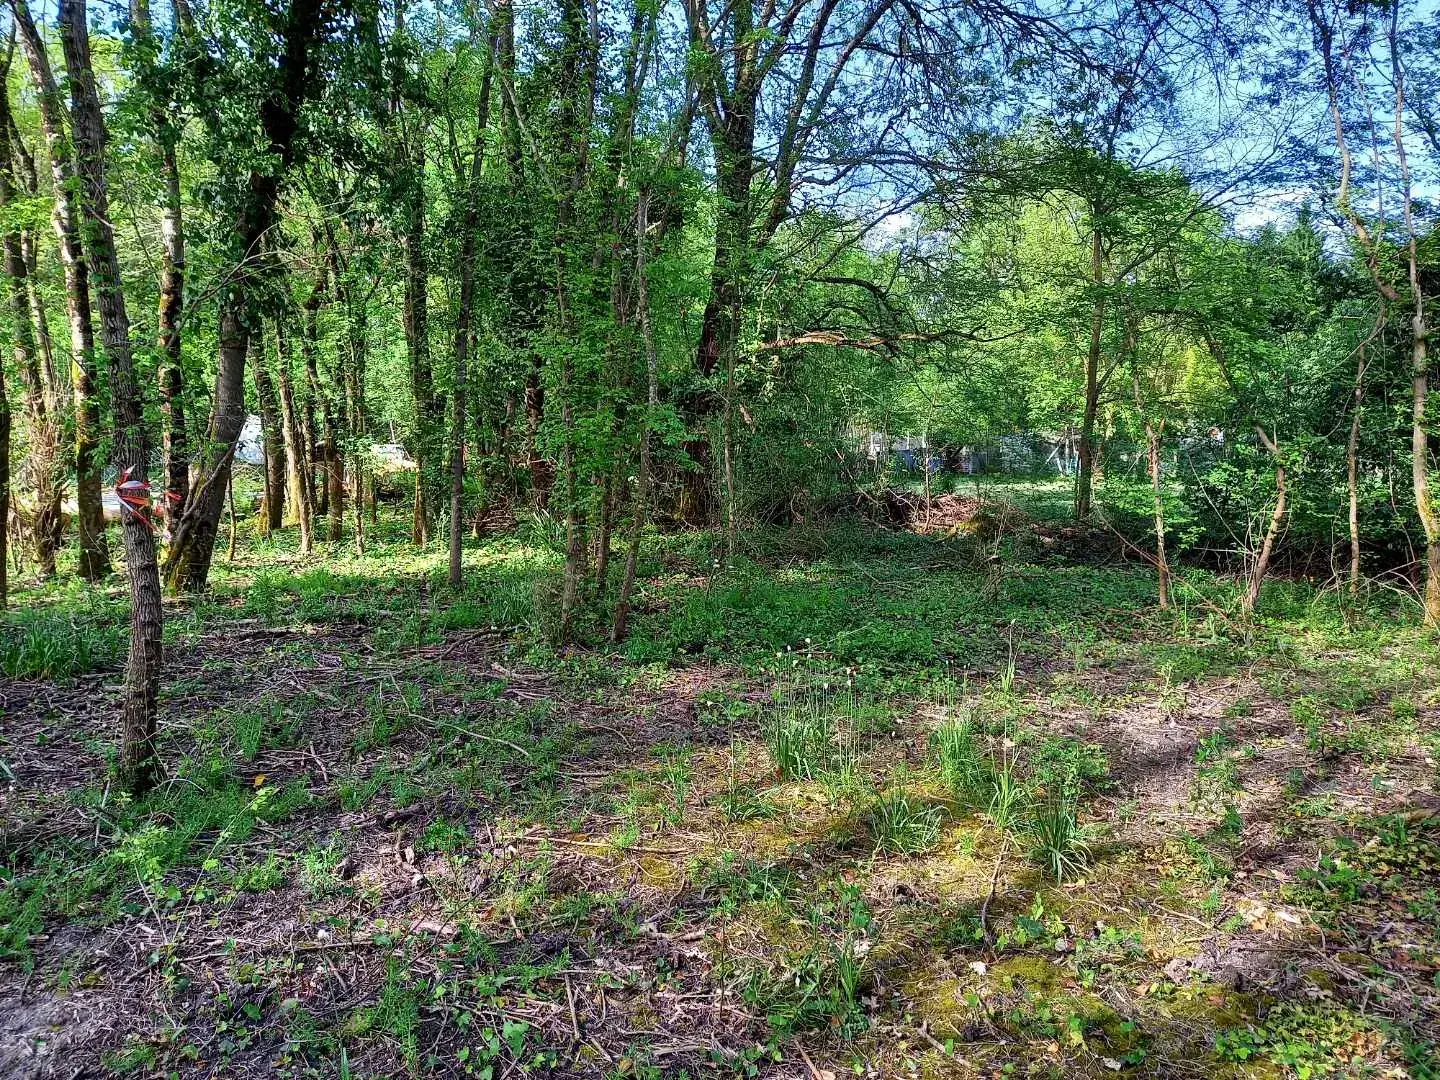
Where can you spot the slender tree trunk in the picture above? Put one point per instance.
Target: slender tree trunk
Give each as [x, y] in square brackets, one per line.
[296, 461]
[166, 137]
[29, 252]
[417, 338]
[44, 449]
[1153, 434]
[464, 321]
[142, 676]
[272, 507]
[641, 503]
[1084, 483]
[1272, 531]
[577, 104]
[175, 442]
[1352, 471]
[332, 463]
[608, 498]
[4, 492]
[1420, 465]
[23, 345]
[358, 425]
[230, 502]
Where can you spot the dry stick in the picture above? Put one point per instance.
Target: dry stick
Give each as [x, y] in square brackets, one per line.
[476, 735]
[994, 880]
[815, 1073]
[230, 495]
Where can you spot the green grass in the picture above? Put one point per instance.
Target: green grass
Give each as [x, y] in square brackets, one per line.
[62, 642]
[900, 822]
[876, 692]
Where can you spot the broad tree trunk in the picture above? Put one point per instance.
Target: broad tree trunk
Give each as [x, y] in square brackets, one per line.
[721, 321]
[137, 764]
[187, 562]
[297, 463]
[272, 507]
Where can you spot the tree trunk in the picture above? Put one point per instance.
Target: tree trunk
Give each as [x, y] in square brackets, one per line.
[272, 507]
[641, 503]
[187, 563]
[720, 323]
[44, 448]
[4, 492]
[1153, 435]
[332, 464]
[166, 137]
[142, 674]
[175, 443]
[1420, 465]
[417, 339]
[21, 318]
[577, 104]
[608, 498]
[1352, 472]
[297, 463]
[1084, 482]
[465, 318]
[1272, 532]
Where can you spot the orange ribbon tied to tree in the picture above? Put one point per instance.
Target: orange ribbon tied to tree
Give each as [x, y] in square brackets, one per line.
[134, 495]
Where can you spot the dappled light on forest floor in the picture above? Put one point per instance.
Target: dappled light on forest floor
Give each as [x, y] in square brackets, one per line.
[401, 835]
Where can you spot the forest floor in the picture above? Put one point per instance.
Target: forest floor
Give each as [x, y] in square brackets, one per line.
[805, 822]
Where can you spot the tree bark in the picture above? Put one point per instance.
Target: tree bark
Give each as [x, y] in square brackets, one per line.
[1084, 481]
[1153, 434]
[187, 563]
[465, 318]
[1419, 350]
[332, 463]
[137, 764]
[297, 462]
[44, 441]
[1272, 531]
[641, 504]
[1352, 471]
[166, 137]
[272, 507]
[23, 345]
[579, 62]
[4, 493]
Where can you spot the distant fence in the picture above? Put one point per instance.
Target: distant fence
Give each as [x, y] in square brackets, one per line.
[1030, 455]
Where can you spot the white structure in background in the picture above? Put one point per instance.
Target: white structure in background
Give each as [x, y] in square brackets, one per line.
[389, 457]
[250, 449]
